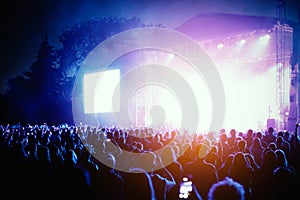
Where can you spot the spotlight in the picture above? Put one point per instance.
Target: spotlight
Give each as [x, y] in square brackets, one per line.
[220, 46]
[241, 42]
[264, 39]
[171, 56]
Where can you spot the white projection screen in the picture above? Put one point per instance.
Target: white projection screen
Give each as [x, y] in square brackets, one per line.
[99, 89]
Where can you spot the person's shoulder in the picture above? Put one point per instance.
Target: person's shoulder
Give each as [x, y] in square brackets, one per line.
[157, 178]
[209, 165]
[118, 176]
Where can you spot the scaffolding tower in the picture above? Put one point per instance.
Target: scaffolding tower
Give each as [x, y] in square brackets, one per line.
[294, 113]
[143, 97]
[284, 41]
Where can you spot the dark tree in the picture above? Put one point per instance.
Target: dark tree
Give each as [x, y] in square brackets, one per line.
[31, 95]
[44, 92]
[43, 82]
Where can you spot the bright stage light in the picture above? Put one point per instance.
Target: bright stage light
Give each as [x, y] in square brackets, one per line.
[265, 38]
[249, 93]
[260, 47]
[241, 42]
[220, 46]
[171, 56]
[250, 90]
[99, 89]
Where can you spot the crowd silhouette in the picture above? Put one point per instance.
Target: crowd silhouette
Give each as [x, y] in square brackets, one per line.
[62, 161]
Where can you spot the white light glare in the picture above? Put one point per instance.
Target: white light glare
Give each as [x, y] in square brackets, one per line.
[220, 46]
[264, 38]
[241, 42]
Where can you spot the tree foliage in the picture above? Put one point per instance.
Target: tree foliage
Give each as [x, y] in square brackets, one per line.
[44, 92]
[31, 94]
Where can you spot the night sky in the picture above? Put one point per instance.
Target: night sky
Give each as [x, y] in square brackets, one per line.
[24, 23]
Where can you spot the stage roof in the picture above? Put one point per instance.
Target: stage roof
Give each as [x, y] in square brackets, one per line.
[212, 25]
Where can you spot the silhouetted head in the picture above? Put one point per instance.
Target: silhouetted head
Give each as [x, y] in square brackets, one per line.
[226, 189]
[270, 130]
[70, 157]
